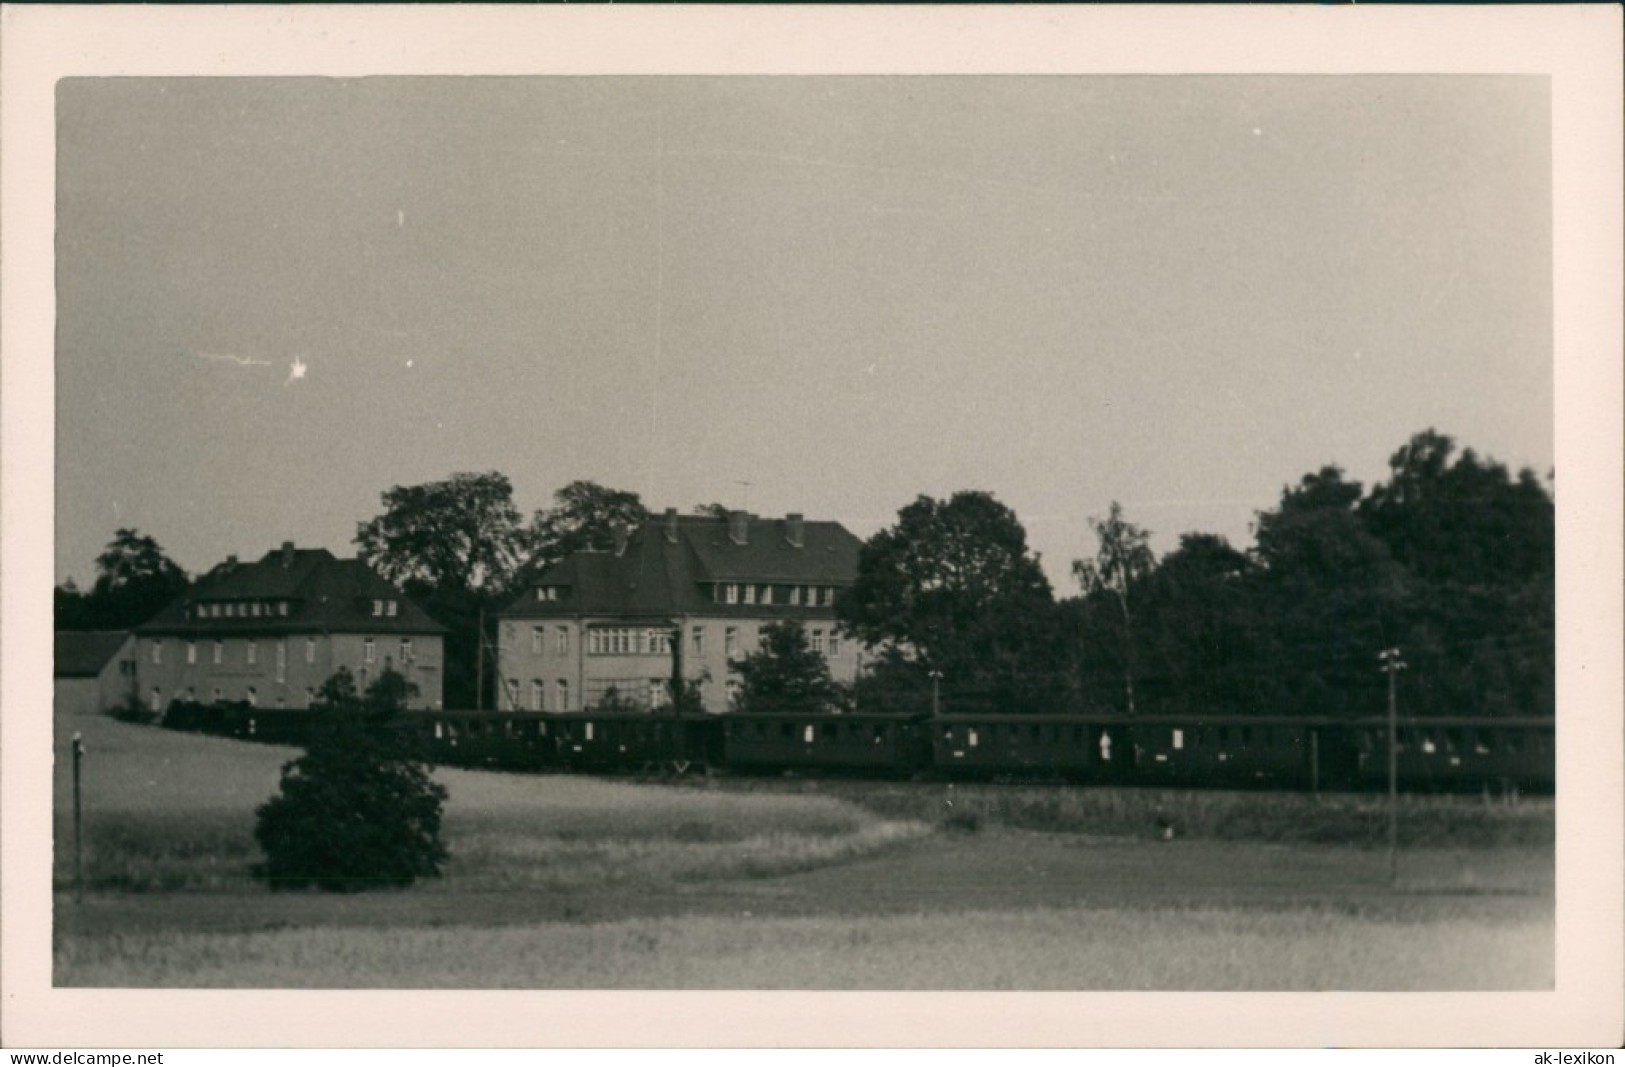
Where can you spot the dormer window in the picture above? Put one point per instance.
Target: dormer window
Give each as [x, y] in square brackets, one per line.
[795, 596]
[547, 592]
[732, 594]
[750, 594]
[389, 608]
[377, 607]
[282, 608]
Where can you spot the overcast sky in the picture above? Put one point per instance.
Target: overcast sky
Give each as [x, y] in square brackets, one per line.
[279, 297]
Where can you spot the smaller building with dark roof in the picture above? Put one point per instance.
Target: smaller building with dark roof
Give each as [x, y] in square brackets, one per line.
[270, 633]
[93, 671]
[600, 621]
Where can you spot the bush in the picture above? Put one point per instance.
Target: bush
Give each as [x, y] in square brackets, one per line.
[358, 810]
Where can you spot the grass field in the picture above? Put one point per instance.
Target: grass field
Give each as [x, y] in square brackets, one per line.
[574, 882]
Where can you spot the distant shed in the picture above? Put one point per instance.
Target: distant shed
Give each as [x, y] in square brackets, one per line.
[94, 670]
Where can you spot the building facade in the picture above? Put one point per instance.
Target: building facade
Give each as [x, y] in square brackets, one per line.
[599, 622]
[93, 671]
[270, 633]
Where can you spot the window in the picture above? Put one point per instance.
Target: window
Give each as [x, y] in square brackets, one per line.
[361, 680]
[795, 596]
[730, 642]
[658, 642]
[750, 594]
[157, 652]
[538, 694]
[191, 652]
[369, 651]
[1179, 739]
[282, 660]
[807, 735]
[547, 592]
[561, 689]
[818, 641]
[389, 608]
[191, 694]
[310, 650]
[699, 641]
[282, 607]
[254, 609]
[834, 644]
[829, 595]
[561, 640]
[767, 594]
[252, 697]
[657, 692]
[157, 699]
[732, 594]
[406, 650]
[377, 607]
[310, 696]
[253, 653]
[536, 641]
[215, 694]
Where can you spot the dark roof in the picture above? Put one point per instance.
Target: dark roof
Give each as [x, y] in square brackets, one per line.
[324, 595]
[84, 653]
[670, 562]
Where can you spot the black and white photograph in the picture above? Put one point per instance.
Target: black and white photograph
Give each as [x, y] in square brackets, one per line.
[701, 525]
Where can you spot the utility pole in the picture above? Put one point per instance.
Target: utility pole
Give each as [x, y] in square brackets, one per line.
[78, 849]
[936, 693]
[1391, 666]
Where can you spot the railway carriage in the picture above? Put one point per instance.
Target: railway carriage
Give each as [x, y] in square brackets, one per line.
[1081, 748]
[859, 743]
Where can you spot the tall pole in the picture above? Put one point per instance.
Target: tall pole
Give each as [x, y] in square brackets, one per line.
[1392, 665]
[936, 693]
[78, 836]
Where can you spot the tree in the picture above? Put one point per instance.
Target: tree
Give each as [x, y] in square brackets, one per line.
[1123, 559]
[134, 581]
[457, 547]
[953, 585]
[785, 674]
[459, 537]
[358, 810]
[1333, 596]
[1197, 618]
[584, 515]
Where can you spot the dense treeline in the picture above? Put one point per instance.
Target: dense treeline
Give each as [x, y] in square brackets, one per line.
[1450, 559]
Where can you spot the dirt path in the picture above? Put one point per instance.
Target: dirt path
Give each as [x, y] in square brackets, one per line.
[994, 870]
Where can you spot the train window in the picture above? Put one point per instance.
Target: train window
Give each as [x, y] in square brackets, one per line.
[1179, 739]
[807, 735]
[1428, 746]
[787, 729]
[588, 735]
[1480, 742]
[827, 731]
[437, 731]
[971, 740]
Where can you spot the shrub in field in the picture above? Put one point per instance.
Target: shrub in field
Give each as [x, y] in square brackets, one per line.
[358, 810]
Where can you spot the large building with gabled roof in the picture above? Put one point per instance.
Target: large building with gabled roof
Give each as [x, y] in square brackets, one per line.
[270, 633]
[605, 620]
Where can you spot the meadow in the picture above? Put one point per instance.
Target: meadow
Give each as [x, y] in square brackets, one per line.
[562, 881]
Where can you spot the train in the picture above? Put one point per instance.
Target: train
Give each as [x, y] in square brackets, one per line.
[1435, 754]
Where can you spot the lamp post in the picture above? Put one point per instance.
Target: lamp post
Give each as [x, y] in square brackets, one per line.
[1391, 666]
[936, 692]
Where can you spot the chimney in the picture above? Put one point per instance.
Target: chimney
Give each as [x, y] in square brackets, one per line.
[231, 563]
[671, 525]
[622, 533]
[794, 530]
[739, 527]
[287, 553]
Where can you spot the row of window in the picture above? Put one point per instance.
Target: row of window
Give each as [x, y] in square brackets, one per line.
[240, 609]
[155, 699]
[539, 695]
[811, 596]
[251, 652]
[628, 641]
